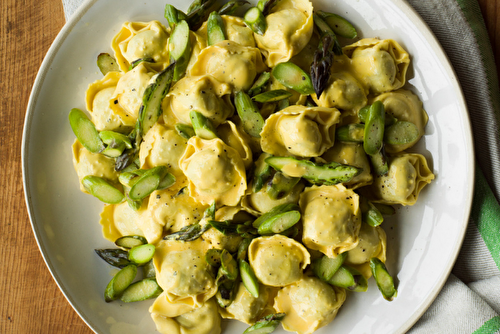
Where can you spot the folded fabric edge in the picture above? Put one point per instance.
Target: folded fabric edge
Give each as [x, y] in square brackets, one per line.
[474, 17]
[485, 214]
[489, 327]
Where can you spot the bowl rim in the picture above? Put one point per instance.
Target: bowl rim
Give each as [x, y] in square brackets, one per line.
[402, 5]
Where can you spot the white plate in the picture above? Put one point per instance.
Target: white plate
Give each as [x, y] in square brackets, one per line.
[423, 240]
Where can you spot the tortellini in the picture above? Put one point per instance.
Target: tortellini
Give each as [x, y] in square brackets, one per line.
[405, 106]
[331, 219]
[179, 318]
[162, 147]
[344, 92]
[215, 172]
[97, 98]
[118, 220]
[127, 97]
[277, 260]
[183, 273]
[236, 30]
[237, 139]
[289, 29]
[203, 94]
[351, 154]
[380, 64]
[230, 63]
[309, 304]
[408, 174]
[245, 307]
[372, 243]
[140, 40]
[173, 208]
[88, 163]
[300, 131]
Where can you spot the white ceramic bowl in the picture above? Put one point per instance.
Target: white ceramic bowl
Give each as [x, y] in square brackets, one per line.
[423, 240]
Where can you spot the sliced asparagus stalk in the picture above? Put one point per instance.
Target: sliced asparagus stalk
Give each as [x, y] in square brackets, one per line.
[102, 189]
[266, 5]
[266, 325]
[243, 249]
[325, 267]
[198, 13]
[138, 61]
[249, 114]
[85, 131]
[373, 139]
[262, 172]
[144, 289]
[148, 182]
[363, 112]
[229, 266]
[130, 241]
[115, 138]
[202, 126]
[349, 278]
[338, 24]
[115, 257]
[292, 232]
[385, 210]
[126, 159]
[107, 63]
[324, 29]
[128, 179]
[148, 270]
[114, 150]
[293, 77]
[248, 278]
[141, 254]
[216, 32]
[173, 15]
[401, 133]
[329, 174]
[322, 63]
[279, 222]
[274, 211]
[255, 20]
[151, 101]
[167, 181]
[379, 163]
[272, 96]
[372, 216]
[350, 133]
[213, 257]
[259, 84]
[226, 227]
[120, 282]
[226, 292]
[210, 212]
[180, 48]
[281, 185]
[384, 280]
[231, 7]
[283, 104]
[189, 233]
[185, 131]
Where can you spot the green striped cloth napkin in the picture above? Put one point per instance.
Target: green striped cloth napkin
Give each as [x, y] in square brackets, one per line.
[470, 300]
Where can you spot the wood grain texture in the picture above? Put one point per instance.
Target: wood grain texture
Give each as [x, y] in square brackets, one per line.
[30, 299]
[491, 14]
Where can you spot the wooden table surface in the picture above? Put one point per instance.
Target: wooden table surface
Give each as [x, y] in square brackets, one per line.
[30, 299]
